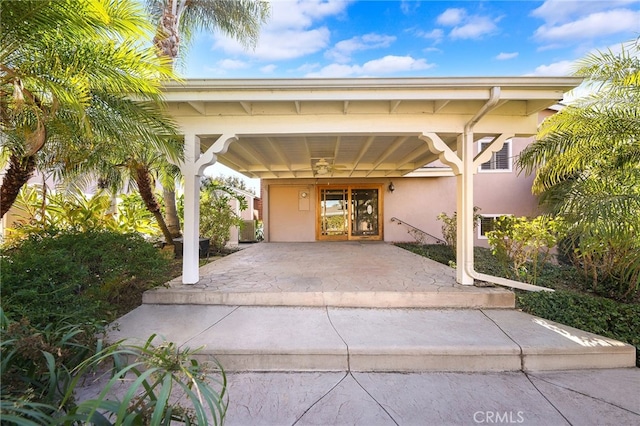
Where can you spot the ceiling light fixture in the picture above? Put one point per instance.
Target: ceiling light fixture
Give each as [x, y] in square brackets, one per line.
[322, 167]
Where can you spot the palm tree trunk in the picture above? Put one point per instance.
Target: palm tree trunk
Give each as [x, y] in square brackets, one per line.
[143, 179]
[167, 41]
[19, 172]
[171, 211]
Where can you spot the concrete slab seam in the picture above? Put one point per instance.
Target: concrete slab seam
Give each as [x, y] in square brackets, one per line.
[212, 325]
[545, 397]
[321, 398]
[508, 336]
[372, 397]
[529, 375]
[326, 308]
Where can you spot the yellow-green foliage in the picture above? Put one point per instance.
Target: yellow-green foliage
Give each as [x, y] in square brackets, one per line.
[522, 245]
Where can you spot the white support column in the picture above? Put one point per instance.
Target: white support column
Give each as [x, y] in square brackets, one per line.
[464, 188]
[192, 168]
[190, 173]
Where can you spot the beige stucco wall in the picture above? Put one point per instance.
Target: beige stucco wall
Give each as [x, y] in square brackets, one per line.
[417, 201]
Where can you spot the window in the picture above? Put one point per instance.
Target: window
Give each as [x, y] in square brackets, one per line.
[487, 224]
[500, 161]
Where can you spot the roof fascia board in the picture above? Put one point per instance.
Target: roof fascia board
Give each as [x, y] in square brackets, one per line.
[270, 90]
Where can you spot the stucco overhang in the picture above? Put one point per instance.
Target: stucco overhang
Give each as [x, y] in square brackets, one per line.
[366, 127]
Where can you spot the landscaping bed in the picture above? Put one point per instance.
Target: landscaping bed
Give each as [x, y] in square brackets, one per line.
[573, 303]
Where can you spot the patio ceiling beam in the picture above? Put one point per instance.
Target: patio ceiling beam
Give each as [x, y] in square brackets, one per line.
[279, 152]
[246, 106]
[397, 143]
[336, 148]
[230, 157]
[354, 124]
[438, 105]
[363, 150]
[257, 157]
[199, 106]
[307, 148]
[413, 156]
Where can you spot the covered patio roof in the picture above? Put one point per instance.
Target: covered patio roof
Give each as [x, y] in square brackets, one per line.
[360, 127]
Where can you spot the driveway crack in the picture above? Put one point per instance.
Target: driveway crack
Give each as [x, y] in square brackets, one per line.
[341, 338]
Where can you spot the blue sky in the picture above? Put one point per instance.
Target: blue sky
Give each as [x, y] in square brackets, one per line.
[342, 38]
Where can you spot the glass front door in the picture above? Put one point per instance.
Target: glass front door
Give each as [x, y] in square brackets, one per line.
[349, 213]
[334, 213]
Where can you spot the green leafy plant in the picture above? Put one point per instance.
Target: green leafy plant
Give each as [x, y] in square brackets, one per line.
[166, 385]
[76, 276]
[217, 216]
[593, 314]
[450, 226]
[40, 210]
[523, 245]
[42, 371]
[37, 364]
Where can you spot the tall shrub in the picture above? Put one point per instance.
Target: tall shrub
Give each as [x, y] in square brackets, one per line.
[523, 245]
[56, 276]
[450, 226]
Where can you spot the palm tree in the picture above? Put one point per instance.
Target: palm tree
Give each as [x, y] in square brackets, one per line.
[178, 20]
[69, 71]
[137, 165]
[587, 164]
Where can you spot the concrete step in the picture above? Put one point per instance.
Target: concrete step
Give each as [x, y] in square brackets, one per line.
[449, 297]
[252, 338]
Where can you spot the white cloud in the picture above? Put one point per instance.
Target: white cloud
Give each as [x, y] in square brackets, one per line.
[557, 11]
[268, 69]
[475, 27]
[465, 26]
[290, 31]
[562, 68]
[335, 70]
[409, 6]
[503, 56]
[436, 34]
[302, 14]
[382, 66]
[451, 17]
[287, 44]
[392, 64]
[232, 64]
[343, 50]
[594, 25]
[307, 68]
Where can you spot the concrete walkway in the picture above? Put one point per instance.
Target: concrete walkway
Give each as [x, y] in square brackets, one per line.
[356, 334]
[254, 338]
[581, 398]
[346, 274]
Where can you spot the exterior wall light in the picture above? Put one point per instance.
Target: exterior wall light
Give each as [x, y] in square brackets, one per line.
[391, 187]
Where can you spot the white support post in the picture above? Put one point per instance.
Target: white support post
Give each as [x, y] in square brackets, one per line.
[464, 187]
[190, 248]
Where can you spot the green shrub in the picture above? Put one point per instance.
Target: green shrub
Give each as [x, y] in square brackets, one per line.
[41, 370]
[450, 226]
[589, 313]
[37, 364]
[75, 277]
[523, 245]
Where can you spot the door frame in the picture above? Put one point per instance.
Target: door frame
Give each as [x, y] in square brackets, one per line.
[349, 236]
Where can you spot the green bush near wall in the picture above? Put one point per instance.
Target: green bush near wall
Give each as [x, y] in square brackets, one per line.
[608, 318]
[570, 304]
[76, 277]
